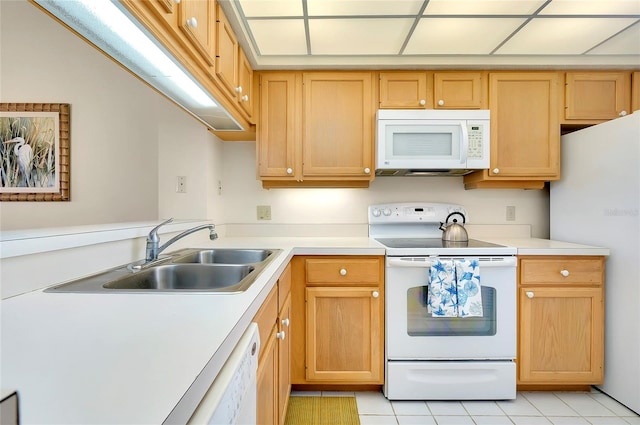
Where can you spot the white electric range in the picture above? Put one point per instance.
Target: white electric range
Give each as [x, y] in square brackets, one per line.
[455, 353]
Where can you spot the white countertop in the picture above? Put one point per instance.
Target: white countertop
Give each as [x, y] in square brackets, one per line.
[149, 358]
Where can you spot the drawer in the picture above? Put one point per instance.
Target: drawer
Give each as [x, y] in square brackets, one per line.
[344, 270]
[562, 270]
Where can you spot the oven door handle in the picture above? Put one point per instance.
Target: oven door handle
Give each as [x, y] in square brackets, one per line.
[425, 262]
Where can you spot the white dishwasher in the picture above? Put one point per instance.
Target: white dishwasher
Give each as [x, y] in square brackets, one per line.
[231, 399]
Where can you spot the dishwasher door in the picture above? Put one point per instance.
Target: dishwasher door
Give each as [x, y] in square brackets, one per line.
[232, 397]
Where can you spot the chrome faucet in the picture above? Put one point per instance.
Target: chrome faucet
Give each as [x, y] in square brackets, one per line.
[153, 240]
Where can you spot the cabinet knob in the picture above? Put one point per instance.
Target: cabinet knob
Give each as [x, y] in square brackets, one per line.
[343, 272]
[375, 294]
[423, 102]
[239, 89]
[281, 335]
[623, 113]
[530, 294]
[441, 102]
[289, 171]
[367, 170]
[496, 171]
[192, 22]
[245, 98]
[285, 322]
[564, 273]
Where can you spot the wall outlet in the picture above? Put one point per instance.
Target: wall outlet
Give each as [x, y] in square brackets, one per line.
[264, 212]
[511, 213]
[181, 184]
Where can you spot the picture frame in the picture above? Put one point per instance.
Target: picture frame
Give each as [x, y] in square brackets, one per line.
[34, 151]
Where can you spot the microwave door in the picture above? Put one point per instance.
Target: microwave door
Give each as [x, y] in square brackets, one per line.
[412, 145]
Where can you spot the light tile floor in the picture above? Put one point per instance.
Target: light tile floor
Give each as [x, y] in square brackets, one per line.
[529, 408]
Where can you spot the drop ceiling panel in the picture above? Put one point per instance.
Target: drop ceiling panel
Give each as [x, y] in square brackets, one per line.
[279, 37]
[592, 7]
[270, 8]
[625, 43]
[560, 36]
[363, 8]
[460, 36]
[482, 7]
[358, 36]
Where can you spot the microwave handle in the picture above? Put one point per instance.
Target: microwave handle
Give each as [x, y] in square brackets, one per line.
[464, 134]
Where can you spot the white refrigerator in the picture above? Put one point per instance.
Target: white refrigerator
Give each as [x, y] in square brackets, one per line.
[597, 202]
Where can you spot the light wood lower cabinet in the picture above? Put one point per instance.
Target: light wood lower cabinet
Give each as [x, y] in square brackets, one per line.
[273, 380]
[342, 301]
[561, 320]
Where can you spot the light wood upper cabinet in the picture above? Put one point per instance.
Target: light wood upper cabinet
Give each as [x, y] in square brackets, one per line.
[226, 54]
[279, 132]
[596, 96]
[403, 90]
[561, 323]
[337, 136]
[197, 19]
[316, 128]
[245, 84]
[635, 91]
[459, 90]
[525, 131]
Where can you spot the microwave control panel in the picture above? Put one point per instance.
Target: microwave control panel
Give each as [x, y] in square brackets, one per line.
[475, 141]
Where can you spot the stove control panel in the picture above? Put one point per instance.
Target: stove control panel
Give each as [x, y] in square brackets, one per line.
[413, 212]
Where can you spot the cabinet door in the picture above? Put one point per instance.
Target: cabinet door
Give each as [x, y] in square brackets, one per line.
[344, 335]
[267, 382]
[245, 83]
[635, 92]
[284, 359]
[226, 55]
[279, 125]
[561, 335]
[338, 125]
[403, 90]
[597, 95]
[197, 20]
[457, 90]
[525, 127]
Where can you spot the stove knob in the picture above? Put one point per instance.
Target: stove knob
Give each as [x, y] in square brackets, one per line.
[376, 212]
[386, 212]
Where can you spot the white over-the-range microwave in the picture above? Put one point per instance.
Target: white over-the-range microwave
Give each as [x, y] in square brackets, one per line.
[431, 142]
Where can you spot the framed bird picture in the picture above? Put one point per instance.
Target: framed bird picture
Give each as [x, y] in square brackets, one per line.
[34, 151]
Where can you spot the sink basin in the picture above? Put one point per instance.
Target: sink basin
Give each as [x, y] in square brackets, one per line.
[226, 256]
[226, 271]
[186, 277]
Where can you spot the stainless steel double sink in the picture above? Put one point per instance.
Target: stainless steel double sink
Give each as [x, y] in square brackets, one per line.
[187, 270]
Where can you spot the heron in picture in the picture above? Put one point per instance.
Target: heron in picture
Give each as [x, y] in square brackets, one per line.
[24, 155]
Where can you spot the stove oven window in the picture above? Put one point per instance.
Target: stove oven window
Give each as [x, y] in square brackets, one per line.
[420, 321]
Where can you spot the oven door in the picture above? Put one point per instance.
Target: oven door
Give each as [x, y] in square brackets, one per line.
[412, 333]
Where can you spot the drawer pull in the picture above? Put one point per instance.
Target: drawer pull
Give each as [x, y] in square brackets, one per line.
[530, 294]
[343, 272]
[375, 294]
[564, 273]
[281, 335]
[285, 322]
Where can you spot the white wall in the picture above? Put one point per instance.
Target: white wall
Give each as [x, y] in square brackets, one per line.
[128, 143]
[242, 193]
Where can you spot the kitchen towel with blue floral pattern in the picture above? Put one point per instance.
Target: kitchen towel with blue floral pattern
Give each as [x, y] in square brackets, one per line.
[454, 288]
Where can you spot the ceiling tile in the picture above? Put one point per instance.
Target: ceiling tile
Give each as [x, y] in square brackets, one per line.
[358, 36]
[625, 43]
[363, 8]
[482, 7]
[557, 36]
[592, 7]
[279, 37]
[459, 36]
[270, 8]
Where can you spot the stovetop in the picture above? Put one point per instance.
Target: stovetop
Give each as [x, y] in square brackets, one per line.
[432, 243]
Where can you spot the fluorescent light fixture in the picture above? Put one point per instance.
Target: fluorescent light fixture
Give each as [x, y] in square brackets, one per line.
[107, 26]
